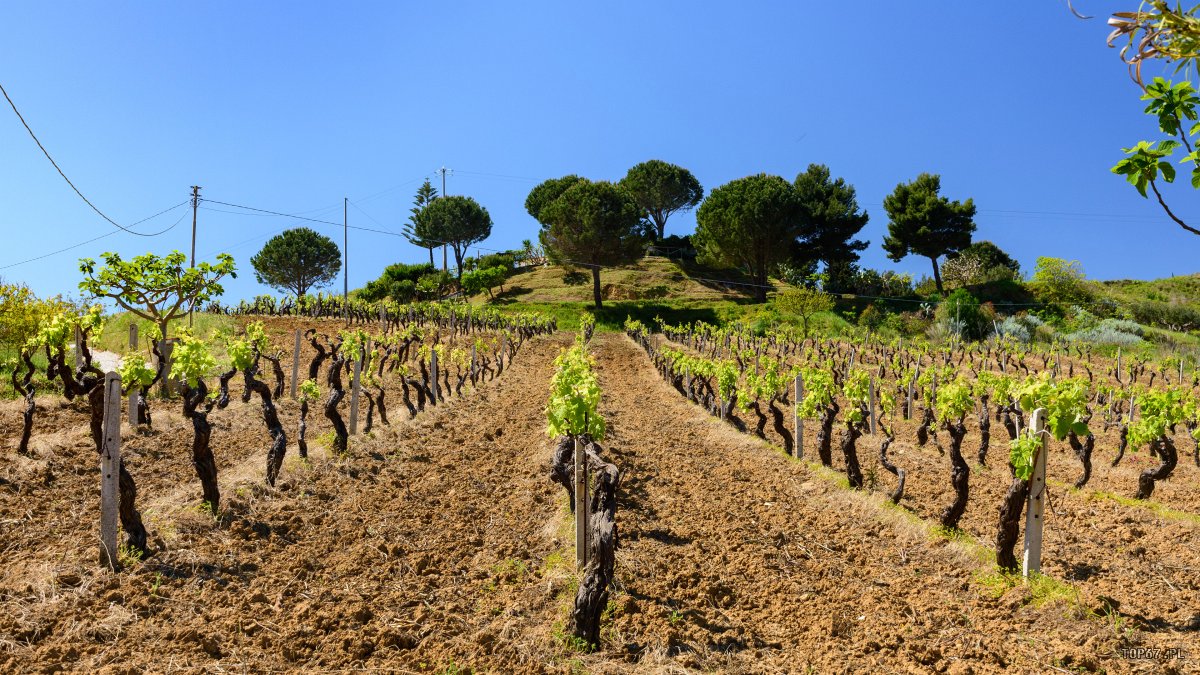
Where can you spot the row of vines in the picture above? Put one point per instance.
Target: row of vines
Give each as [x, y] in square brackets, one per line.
[431, 356]
[751, 381]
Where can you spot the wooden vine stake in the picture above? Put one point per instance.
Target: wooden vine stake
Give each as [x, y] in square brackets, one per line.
[581, 503]
[799, 421]
[110, 471]
[132, 406]
[871, 399]
[295, 364]
[1036, 502]
[355, 390]
[433, 390]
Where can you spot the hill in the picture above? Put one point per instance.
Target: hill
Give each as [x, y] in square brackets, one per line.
[677, 291]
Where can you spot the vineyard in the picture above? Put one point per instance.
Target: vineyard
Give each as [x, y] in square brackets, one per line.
[275, 513]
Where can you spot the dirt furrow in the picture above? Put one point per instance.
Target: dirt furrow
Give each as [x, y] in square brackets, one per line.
[734, 557]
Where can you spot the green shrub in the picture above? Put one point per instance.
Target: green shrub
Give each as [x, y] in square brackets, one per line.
[871, 317]
[1173, 316]
[962, 313]
[576, 278]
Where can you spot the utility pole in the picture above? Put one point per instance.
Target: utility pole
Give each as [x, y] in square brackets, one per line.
[346, 254]
[443, 171]
[195, 206]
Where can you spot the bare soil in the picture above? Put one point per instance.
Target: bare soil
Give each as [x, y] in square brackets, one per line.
[440, 545]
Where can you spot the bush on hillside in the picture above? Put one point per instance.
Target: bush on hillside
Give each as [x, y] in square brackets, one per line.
[1173, 316]
[963, 315]
[398, 282]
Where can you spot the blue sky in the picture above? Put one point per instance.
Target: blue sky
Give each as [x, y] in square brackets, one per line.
[291, 107]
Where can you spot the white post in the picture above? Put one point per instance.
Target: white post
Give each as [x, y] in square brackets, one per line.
[581, 506]
[110, 471]
[1118, 364]
[355, 389]
[797, 420]
[296, 364]
[133, 391]
[1036, 502]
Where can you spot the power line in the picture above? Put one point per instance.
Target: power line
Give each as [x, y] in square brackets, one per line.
[497, 175]
[273, 213]
[103, 236]
[60, 171]
[360, 210]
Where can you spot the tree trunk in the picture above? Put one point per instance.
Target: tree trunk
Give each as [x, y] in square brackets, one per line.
[760, 286]
[1009, 524]
[959, 476]
[301, 442]
[131, 520]
[1168, 458]
[341, 437]
[202, 456]
[850, 452]
[26, 422]
[1083, 451]
[825, 433]
[271, 419]
[937, 275]
[985, 431]
[898, 493]
[660, 224]
[781, 428]
[596, 287]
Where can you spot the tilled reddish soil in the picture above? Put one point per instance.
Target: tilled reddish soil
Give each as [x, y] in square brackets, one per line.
[440, 544]
[1143, 558]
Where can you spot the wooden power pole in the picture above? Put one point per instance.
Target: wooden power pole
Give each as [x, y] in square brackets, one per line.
[195, 206]
[346, 255]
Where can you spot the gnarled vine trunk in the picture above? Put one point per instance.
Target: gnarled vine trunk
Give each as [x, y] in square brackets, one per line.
[985, 430]
[1009, 524]
[850, 453]
[926, 422]
[196, 408]
[825, 433]
[899, 473]
[959, 475]
[341, 437]
[1083, 451]
[1122, 444]
[271, 419]
[1167, 460]
[301, 441]
[781, 428]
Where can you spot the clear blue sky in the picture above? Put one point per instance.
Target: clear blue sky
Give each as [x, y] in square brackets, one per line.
[293, 106]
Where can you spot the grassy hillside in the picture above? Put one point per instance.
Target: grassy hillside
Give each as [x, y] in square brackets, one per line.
[1184, 290]
[676, 291]
[682, 292]
[649, 279]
